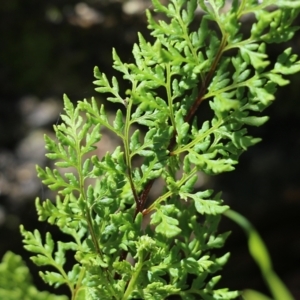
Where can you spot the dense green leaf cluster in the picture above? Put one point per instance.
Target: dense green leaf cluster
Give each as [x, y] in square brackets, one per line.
[16, 282]
[103, 201]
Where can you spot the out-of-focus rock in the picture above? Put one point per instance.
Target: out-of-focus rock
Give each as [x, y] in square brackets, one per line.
[38, 114]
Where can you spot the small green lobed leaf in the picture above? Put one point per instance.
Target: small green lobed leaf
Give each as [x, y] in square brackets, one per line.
[278, 23]
[204, 205]
[49, 246]
[189, 185]
[262, 95]
[186, 165]
[209, 206]
[287, 63]
[193, 266]
[106, 87]
[278, 79]
[69, 107]
[91, 138]
[135, 143]
[39, 260]
[157, 290]
[217, 241]
[53, 278]
[167, 225]
[210, 163]
[251, 56]
[255, 121]
[119, 122]
[72, 179]
[60, 254]
[223, 103]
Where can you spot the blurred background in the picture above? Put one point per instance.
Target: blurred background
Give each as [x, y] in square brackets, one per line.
[50, 47]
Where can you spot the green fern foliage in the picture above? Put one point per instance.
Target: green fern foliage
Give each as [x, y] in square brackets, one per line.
[103, 202]
[16, 282]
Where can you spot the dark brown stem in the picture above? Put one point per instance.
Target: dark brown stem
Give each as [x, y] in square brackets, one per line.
[142, 199]
[191, 113]
[205, 83]
[135, 195]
